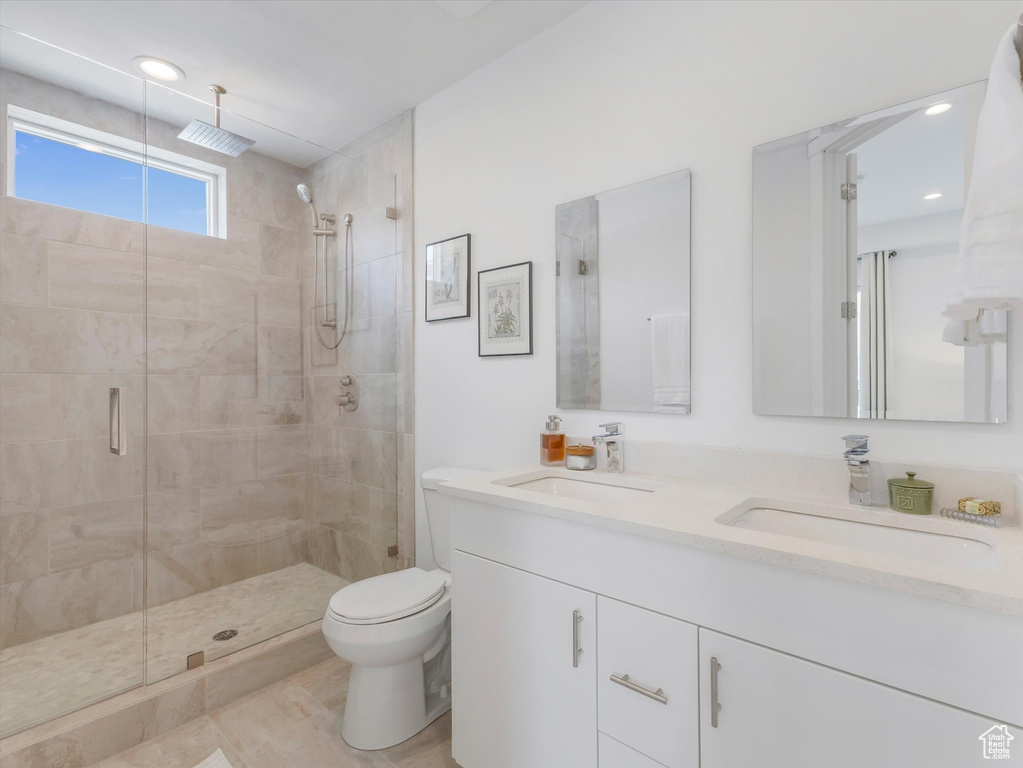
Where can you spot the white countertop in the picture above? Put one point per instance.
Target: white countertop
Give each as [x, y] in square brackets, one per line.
[685, 512]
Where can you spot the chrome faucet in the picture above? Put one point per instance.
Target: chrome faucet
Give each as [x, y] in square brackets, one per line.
[613, 445]
[859, 469]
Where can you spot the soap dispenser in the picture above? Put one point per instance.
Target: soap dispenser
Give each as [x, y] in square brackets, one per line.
[552, 443]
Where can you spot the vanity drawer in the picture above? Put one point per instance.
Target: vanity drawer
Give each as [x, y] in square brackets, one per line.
[639, 652]
[611, 753]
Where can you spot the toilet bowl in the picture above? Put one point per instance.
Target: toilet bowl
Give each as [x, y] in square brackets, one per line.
[395, 629]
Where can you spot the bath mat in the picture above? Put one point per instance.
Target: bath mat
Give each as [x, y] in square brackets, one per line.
[216, 760]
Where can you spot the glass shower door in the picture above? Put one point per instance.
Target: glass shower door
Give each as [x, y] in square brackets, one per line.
[72, 368]
[265, 496]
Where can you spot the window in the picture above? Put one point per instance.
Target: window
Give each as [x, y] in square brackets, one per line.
[58, 162]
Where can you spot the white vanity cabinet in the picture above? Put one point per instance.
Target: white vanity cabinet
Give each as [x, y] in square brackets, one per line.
[525, 669]
[814, 671]
[779, 711]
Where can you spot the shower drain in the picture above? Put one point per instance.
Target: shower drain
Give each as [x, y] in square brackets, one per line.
[225, 634]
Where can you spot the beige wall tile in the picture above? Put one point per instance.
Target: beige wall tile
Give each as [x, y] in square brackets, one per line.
[230, 401]
[173, 404]
[183, 571]
[252, 504]
[203, 347]
[279, 302]
[61, 473]
[239, 250]
[95, 278]
[48, 340]
[201, 459]
[284, 252]
[357, 510]
[172, 288]
[90, 533]
[24, 548]
[283, 450]
[369, 458]
[228, 295]
[374, 288]
[349, 557]
[282, 545]
[25, 407]
[263, 189]
[369, 346]
[280, 351]
[52, 222]
[23, 270]
[172, 519]
[65, 600]
[325, 450]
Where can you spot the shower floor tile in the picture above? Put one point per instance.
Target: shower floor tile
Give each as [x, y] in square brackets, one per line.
[45, 678]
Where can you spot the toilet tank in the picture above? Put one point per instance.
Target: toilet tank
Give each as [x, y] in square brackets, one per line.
[439, 508]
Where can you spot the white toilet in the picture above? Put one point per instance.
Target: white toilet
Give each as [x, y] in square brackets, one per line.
[395, 629]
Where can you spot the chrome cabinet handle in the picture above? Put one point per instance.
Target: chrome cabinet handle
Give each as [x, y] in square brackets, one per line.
[626, 681]
[715, 707]
[576, 650]
[118, 426]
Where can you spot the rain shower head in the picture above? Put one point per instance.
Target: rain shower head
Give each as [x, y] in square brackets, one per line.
[213, 136]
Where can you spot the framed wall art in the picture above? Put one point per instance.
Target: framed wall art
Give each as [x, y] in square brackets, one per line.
[447, 278]
[506, 310]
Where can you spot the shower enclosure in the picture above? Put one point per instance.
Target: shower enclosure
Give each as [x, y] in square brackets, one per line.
[179, 475]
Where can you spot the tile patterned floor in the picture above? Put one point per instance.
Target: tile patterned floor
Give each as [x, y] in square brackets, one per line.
[47, 677]
[295, 723]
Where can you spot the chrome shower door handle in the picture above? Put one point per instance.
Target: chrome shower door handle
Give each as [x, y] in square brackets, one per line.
[118, 425]
[715, 706]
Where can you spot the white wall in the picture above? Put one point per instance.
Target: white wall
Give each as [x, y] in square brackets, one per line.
[624, 91]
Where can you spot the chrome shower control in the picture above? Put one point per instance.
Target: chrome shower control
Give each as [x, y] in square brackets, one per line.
[349, 397]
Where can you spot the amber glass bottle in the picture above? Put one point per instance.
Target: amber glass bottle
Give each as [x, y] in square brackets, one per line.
[552, 443]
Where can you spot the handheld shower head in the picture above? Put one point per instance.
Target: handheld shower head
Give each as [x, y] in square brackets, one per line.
[306, 195]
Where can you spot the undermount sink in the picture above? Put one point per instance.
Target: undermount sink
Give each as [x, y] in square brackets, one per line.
[586, 490]
[930, 547]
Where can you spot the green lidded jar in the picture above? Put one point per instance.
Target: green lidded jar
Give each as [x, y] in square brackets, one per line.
[909, 495]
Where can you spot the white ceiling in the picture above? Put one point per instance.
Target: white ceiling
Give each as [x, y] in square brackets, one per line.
[327, 71]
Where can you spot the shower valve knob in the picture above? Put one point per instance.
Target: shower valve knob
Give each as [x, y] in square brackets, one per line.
[345, 400]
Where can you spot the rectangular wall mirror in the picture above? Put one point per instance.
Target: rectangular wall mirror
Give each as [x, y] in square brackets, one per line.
[623, 298]
[855, 245]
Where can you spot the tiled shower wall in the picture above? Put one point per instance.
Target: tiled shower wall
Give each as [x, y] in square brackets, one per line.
[578, 328]
[227, 445]
[361, 486]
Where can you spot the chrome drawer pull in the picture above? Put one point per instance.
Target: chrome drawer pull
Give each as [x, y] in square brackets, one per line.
[624, 680]
[576, 650]
[715, 706]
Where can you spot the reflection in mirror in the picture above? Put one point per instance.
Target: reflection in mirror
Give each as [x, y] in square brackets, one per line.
[855, 244]
[623, 298]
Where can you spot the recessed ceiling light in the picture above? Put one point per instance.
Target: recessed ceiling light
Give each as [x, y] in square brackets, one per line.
[158, 69]
[932, 196]
[937, 109]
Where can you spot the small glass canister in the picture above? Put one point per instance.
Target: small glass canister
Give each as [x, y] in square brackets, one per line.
[909, 495]
[581, 457]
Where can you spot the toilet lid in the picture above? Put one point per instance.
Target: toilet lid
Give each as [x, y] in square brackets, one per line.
[390, 596]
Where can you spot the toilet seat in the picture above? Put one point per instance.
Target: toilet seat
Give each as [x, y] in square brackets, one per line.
[388, 597]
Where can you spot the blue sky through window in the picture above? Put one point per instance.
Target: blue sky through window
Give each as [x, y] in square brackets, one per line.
[49, 171]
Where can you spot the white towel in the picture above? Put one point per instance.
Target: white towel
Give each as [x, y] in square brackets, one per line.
[993, 326]
[990, 270]
[669, 347]
[962, 333]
